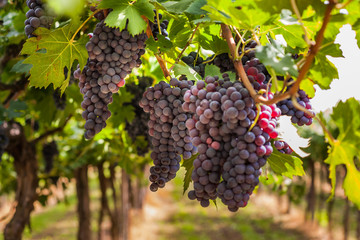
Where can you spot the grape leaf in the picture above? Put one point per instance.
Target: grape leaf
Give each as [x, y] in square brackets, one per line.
[121, 110]
[176, 27]
[128, 13]
[330, 48]
[356, 28]
[323, 71]
[189, 167]
[61, 51]
[183, 69]
[243, 15]
[273, 55]
[212, 70]
[285, 164]
[308, 87]
[195, 7]
[343, 150]
[177, 7]
[162, 44]
[20, 67]
[15, 110]
[286, 17]
[292, 34]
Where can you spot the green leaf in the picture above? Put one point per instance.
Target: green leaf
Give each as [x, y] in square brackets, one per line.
[286, 17]
[346, 147]
[20, 67]
[16, 109]
[161, 44]
[243, 15]
[323, 71]
[293, 35]
[176, 26]
[177, 7]
[189, 167]
[128, 13]
[121, 111]
[183, 69]
[308, 87]
[212, 70]
[356, 28]
[60, 52]
[330, 48]
[273, 55]
[285, 164]
[195, 7]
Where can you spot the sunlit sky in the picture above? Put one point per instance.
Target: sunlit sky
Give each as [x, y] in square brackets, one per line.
[348, 84]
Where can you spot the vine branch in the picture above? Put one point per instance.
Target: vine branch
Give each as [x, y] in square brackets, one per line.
[303, 71]
[51, 132]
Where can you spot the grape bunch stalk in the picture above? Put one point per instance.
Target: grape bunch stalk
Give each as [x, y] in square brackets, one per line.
[36, 17]
[163, 27]
[112, 56]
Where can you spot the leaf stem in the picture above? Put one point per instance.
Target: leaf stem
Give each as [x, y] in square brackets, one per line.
[297, 12]
[82, 25]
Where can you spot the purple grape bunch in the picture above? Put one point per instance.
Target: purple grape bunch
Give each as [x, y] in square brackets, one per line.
[231, 147]
[112, 56]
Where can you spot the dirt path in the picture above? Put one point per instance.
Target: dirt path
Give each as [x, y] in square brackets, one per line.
[168, 215]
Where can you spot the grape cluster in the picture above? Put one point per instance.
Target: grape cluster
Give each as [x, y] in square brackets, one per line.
[4, 141]
[283, 147]
[225, 64]
[49, 151]
[138, 127]
[163, 27]
[169, 136]
[229, 143]
[112, 56]
[195, 62]
[297, 116]
[36, 17]
[59, 100]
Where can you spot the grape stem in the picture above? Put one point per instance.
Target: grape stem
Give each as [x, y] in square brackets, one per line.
[186, 45]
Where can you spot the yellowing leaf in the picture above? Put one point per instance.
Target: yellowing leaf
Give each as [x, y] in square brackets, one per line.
[57, 52]
[346, 148]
